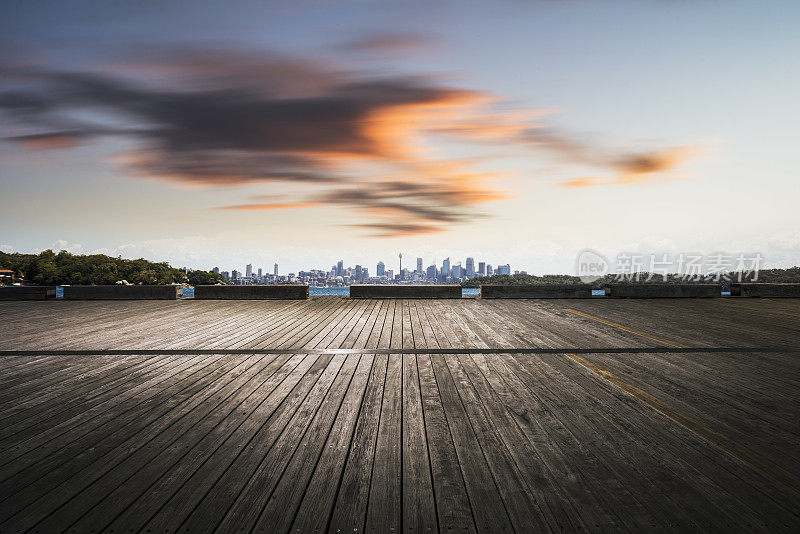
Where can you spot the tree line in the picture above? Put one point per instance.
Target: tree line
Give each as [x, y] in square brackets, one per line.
[64, 268]
[774, 276]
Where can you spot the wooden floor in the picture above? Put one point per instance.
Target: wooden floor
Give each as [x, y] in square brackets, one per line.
[429, 416]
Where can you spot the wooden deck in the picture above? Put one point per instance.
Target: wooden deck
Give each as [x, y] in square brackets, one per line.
[419, 416]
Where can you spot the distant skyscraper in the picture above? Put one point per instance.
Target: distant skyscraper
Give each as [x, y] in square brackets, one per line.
[248, 271]
[275, 269]
[431, 273]
[235, 275]
[259, 272]
[390, 274]
[470, 267]
[481, 268]
[340, 268]
[489, 271]
[419, 265]
[357, 274]
[381, 269]
[446, 267]
[504, 269]
[456, 271]
[216, 270]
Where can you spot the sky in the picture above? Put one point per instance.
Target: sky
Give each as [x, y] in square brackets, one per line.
[523, 132]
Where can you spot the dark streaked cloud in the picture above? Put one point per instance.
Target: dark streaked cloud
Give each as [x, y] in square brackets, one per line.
[49, 141]
[634, 167]
[431, 206]
[219, 133]
[389, 43]
[397, 229]
[359, 141]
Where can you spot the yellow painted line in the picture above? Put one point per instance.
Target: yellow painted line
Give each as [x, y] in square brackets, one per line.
[625, 328]
[761, 465]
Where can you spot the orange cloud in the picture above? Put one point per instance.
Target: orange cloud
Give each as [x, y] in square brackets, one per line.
[49, 141]
[392, 230]
[638, 167]
[272, 206]
[583, 181]
[641, 167]
[395, 130]
[389, 44]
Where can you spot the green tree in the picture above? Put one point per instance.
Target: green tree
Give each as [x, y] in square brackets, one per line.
[49, 268]
[204, 278]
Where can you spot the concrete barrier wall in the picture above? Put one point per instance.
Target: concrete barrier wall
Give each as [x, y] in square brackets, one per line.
[26, 292]
[765, 290]
[550, 291]
[254, 292]
[405, 292]
[651, 291]
[122, 292]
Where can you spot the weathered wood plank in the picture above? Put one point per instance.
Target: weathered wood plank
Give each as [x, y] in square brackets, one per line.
[385, 510]
[254, 496]
[202, 502]
[452, 503]
[143, 494]
[281, 509]
[41, 511]
[64, 459]
[419, 505]
[350, 509]
[316, 508]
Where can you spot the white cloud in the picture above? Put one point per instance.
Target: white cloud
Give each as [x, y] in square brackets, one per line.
[63, 244]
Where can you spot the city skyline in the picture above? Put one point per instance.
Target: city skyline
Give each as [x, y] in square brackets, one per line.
[348, 274]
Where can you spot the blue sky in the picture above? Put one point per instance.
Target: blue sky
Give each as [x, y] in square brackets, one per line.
[518, 132]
